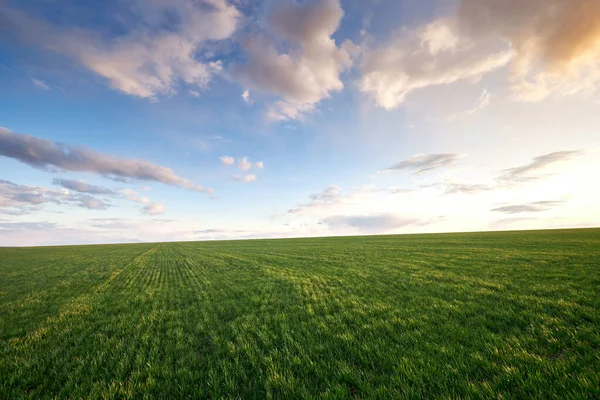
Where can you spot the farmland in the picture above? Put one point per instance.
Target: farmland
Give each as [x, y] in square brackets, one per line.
[477, 315]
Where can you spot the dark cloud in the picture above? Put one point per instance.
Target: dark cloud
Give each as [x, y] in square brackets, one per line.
[48, 155]
[425, 162]
[82, 187]
[523, 173]
[538, 206]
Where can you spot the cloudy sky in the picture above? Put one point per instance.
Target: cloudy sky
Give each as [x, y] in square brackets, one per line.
[155, 120]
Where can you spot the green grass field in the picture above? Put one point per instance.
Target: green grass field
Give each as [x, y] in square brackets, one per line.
[478, 315]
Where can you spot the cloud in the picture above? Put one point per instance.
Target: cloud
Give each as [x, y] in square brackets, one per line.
[482, 103]
[549, 46]
[246, 97]
[537, 206]
[329, 196]
[89, 202]
[433, 54]
[18, 199]
[245, 178]
[285, 110]
[227, 160]
[21, 200]
[82, 187]
[156, 47]
[148, 207]
[40, 84]
[243, 163]
[556, 43]
[463, 188]
[154, 208]
[45, 154]
[21, 226]
[523, 173]
[374, 223]
[425, 162]
[194, 93]
[309, 70]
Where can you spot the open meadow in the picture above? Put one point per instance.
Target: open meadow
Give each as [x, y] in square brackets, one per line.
[475, 315]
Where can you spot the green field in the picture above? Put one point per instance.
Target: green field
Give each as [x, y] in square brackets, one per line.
[478, 315]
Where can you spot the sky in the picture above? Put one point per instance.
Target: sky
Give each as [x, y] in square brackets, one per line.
[168, 120]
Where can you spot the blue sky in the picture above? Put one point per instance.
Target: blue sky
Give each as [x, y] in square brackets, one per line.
[190, 120]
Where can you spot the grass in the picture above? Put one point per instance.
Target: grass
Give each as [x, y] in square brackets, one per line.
[478, 315]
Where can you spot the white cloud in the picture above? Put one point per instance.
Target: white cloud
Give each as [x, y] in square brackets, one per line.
[372, 223]
[194, 93]
[420, 163]
[284, 110]
[40, 84]
[154, 208]
[550, 46]
[416, 59]
[483, 102]
[244, 164]
[227, 160]
[246, 97]
[148, 207]
[556, 42]
[246, 178]
[310, 69]
[148, 60]
[439, 36]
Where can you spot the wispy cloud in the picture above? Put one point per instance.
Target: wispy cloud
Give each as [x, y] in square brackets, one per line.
[425, 162]
[45, 154]
[483, 102]
[465, 188]
[524, 172]
[26, 226]
[82, 187]
[148, 207]
[18, 199]
[373, 223]
[329, 196]
[40, 84]
[537, 206]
